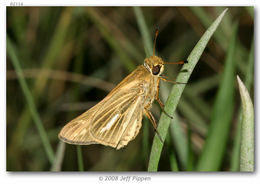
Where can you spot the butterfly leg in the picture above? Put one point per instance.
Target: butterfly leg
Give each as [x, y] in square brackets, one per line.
[151, 118]
[170, 81]
[159, 101]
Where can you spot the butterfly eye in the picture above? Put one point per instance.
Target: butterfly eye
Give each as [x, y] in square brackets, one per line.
[156, 70]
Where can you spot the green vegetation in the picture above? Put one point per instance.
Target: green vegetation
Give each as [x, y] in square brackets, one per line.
[61, 61]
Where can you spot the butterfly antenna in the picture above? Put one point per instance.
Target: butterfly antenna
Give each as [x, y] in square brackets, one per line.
[176, 63]
[154, 41]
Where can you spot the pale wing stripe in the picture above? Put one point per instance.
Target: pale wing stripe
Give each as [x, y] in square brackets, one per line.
[107, 110]
[116, 130]
[110, 123]
[103, 119]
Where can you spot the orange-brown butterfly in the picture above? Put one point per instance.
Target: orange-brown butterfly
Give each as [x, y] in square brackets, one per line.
[117, 119]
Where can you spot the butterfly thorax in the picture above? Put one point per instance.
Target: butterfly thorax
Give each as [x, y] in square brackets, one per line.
[151, 92]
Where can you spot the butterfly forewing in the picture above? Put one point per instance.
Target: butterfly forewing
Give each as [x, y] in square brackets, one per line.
[115, 120]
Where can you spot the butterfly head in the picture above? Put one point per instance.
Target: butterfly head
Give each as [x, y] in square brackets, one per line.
[154, 64]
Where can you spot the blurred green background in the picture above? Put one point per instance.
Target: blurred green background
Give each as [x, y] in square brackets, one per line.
[71, 57]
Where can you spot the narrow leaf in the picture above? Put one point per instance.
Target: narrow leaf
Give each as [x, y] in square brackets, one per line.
[247, 140]
[80, 158]
[235, 156]
[29, 99]
[144, 31]
[215, 145]
[176, 92]
[57, 164]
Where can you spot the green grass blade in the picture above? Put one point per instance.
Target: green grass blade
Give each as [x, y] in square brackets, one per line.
[205, 19]
[108, 36]
[197, 89]
[250, 68]
[247, 138]
[176, 92]
[171, 154]
[221, 37]
[49, 59]
[215, 145]
[190, 163]
[144, 31]
[204, 85]
[235, 157]
[80, 158]
[148, 50]
[180, 140]
[200, 105]
[145, 141]
[251, 11]
[57, 164]
[193, 116]
[55, 47]
[177, 135]
[173, 162]
[29, 99]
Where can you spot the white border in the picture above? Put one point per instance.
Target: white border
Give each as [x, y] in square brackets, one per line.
[92, 178]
